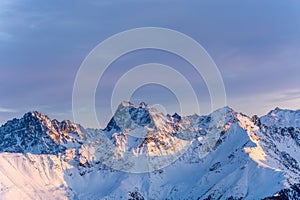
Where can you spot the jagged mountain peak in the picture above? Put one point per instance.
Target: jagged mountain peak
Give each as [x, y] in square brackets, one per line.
[278, 110]
[131, 116]
[225, 109]
[176, 116]
[30, 118]
[130, 104]
[33, 115]
[282, 118]
[220, 116]
[64, 127]
[37, 133]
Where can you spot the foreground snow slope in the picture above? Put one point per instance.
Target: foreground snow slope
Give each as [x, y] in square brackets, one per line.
[143, 154]
[33, 177]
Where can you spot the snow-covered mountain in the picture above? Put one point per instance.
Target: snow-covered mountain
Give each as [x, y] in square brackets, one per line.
[144, 154]
[36, 133]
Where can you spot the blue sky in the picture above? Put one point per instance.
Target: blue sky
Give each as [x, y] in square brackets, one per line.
[255, 44]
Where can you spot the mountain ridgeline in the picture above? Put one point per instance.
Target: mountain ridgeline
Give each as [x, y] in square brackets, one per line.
[144, 154]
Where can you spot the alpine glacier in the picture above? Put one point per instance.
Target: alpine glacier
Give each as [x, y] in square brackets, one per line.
[144, 154]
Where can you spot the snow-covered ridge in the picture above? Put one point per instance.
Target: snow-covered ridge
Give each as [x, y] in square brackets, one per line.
[224, 155]
[36, 133]
[282, 118]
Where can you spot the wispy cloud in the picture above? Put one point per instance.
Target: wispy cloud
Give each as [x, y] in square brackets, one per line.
[287, 95]
[7, 110]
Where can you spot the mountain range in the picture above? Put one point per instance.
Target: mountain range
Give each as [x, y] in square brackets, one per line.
[144, 154]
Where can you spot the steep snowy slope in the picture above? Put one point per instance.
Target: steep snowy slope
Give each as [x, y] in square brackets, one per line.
[280, 137]
[143, 154]
[33, 176]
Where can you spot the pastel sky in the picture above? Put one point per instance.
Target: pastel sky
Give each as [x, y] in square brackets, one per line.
[254, 43]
